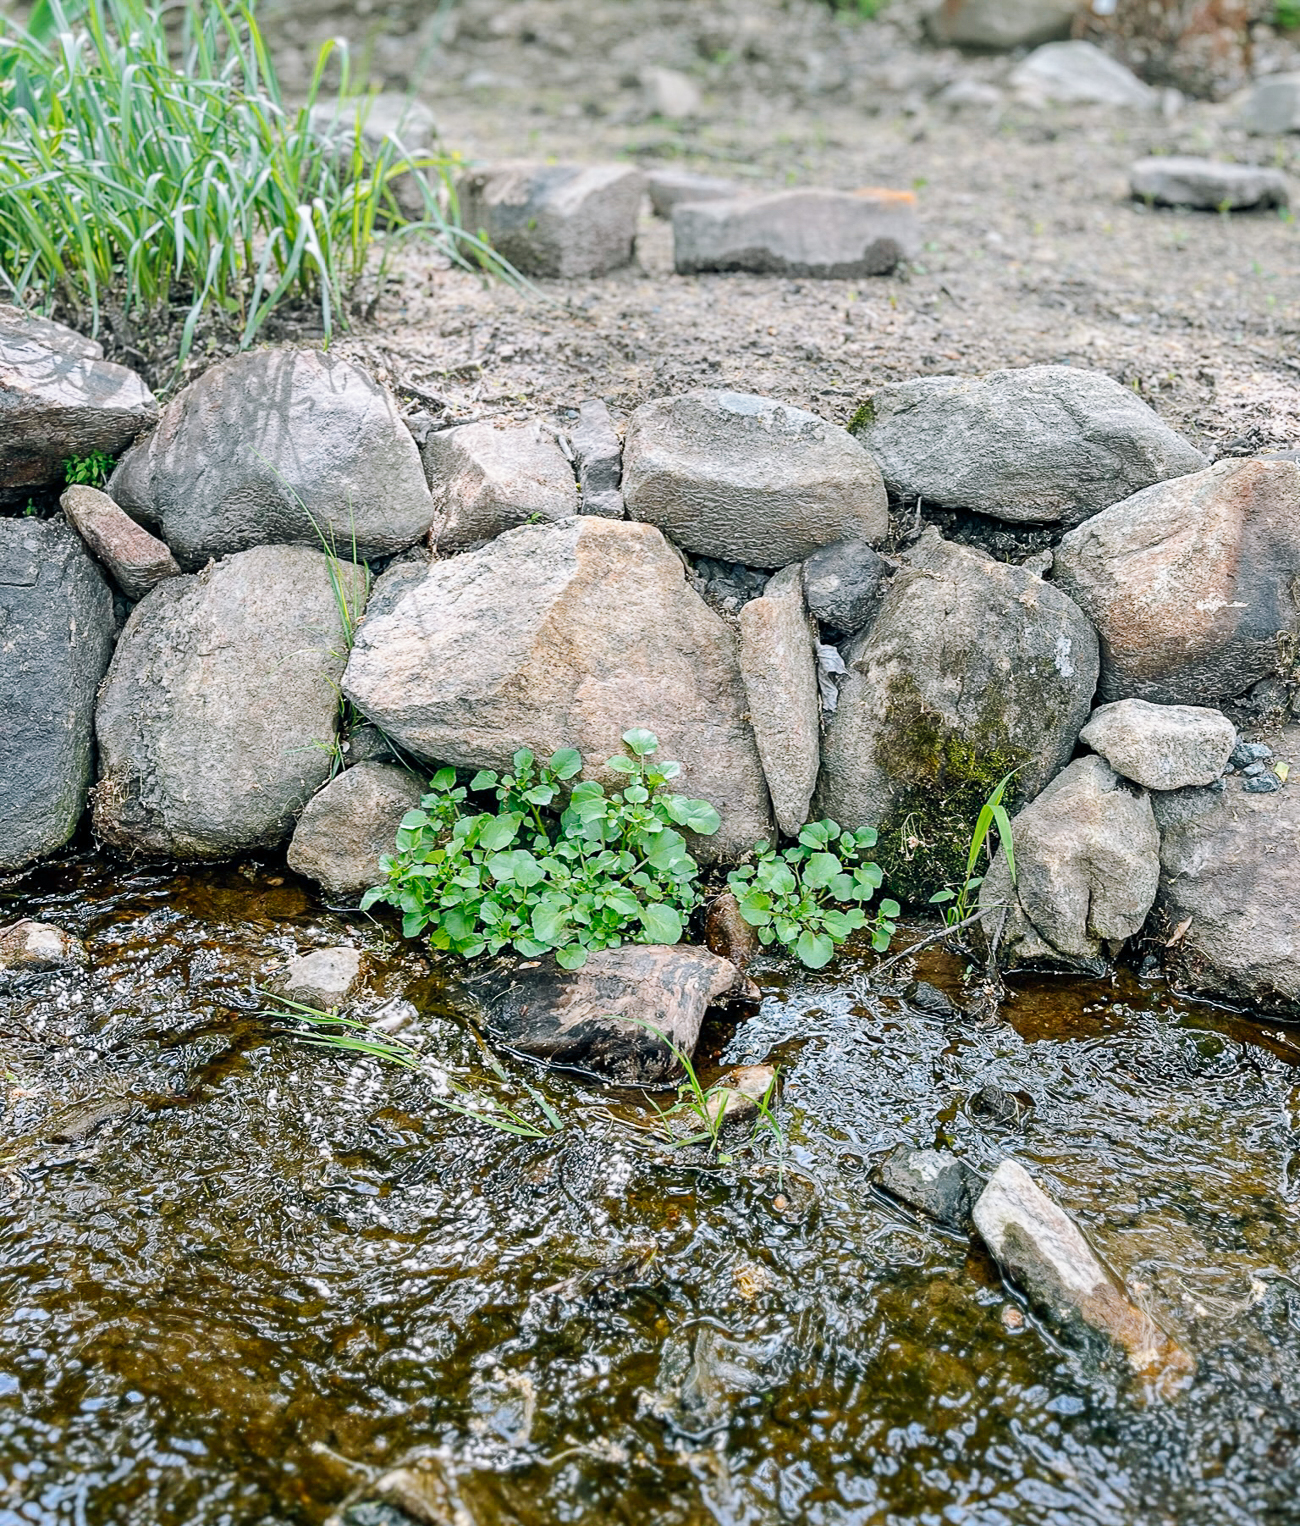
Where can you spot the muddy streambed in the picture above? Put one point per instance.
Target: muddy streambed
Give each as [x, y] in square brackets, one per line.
[241, 1275]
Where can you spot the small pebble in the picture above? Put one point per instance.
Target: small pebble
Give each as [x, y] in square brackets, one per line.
[1253, 770]
[1262, 784]
[780, 1203]
[1013, 1318]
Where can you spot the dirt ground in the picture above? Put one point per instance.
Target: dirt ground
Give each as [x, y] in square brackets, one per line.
[1033, 252]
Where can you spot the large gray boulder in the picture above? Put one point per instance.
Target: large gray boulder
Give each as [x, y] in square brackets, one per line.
[59, 398]
[346, 829]
[1042, 1251]
[560, 636]
[1161, 746]
[970, 668]
[1273, 106]
[275, 447]
[563, 220]
[56, 637]
[778, 661]
[137, 560]
[1040, 445]
[823, 234]
[1087, 866]
[1002, 24]
[218, 716]
[486, 478]
[747, 479]
[1079, 74]
[1189, 583]
[1176, 180]
[1230, 885]
[600, 1018]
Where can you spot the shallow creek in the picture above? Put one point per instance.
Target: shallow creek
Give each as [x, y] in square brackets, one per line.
[238, 1272]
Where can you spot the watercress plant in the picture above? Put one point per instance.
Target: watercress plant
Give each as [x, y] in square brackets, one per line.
[554, 868]
[812, 896]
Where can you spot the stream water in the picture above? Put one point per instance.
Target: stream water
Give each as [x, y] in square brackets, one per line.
[241, 1276]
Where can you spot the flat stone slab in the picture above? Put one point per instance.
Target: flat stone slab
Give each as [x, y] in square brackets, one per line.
[1161, 747]
[830, 235]
[324, 978]
[1178, 181]
[668, 188]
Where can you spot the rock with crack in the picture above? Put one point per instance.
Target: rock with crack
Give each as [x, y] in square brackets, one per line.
[934, 1182]
[823, 234]
[136, 560]
[747, 479]
[565, 220]
[1179, 181]
[1079, 74]
[1041, 1250]
[971, 668]
[486, 478]
[1161, 747]
[350, 825]
[29, 945]
[56, 638]
[60, 398]
[324, 978]
[1036, 445]
[217, 719]
[1189, 583]
[565, 636]
[598, 455]
[274, 447]
[1002, 24]
[778, 661]
[622, 1015]
[1230, 884]
[1087, 868]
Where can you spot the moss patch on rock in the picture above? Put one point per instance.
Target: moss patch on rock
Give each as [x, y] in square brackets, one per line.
[943, 777]
[864, 417]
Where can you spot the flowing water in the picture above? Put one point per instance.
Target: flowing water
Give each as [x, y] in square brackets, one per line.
[241, 1276]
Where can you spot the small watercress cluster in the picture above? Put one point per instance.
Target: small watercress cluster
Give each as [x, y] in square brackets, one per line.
[557, 868]
[811, 896]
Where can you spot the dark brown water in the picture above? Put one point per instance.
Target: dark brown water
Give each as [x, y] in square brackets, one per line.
[239, 1274]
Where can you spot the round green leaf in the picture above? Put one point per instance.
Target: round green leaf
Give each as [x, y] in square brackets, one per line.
[565, 763]
[642, 742]
[662, 923]
[815, 949]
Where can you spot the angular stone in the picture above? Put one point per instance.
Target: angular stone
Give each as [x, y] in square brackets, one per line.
[563, 220]
[1273, 106]
[217, 719]
[598, 455]
[669, 187]
[56, 637]
[1002, 24]
[60, 399]
[1189, 583]
[1041, 444]
[1161, 747]
[30, 945]
[827, 235]
[324, 978]
[1041, 1250]
[486, 479]
[1230, 862]
[599, 1018]
[1079, 73]
[778, 661]
[137, 560]
[350, 825]
[560, 636]
[1179, 181]
[969, 662]
[746, 479]
[274, 447]
[843, 583]
[1087, 869]
[933, 1182]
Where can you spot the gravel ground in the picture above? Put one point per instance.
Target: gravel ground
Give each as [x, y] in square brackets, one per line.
[1033, 251]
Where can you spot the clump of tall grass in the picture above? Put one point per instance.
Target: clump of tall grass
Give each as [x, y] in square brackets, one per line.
[150, 167]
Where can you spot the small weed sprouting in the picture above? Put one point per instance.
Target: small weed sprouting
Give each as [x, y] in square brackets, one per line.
[542, 874]
[90, 470]
[327, 1030]
[956, 902]
[812, 896]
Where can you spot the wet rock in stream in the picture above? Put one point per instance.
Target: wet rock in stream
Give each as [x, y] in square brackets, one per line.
[934, 1182]
[30, 945]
